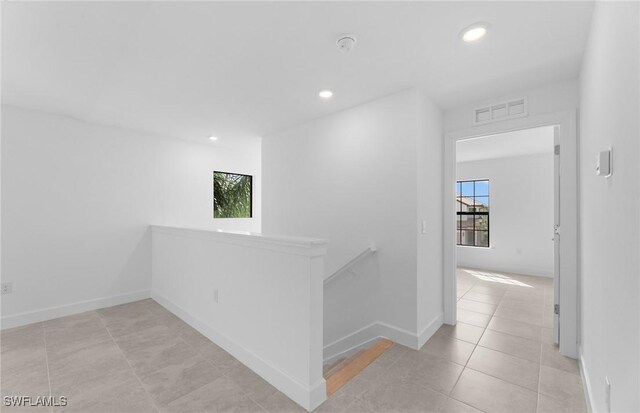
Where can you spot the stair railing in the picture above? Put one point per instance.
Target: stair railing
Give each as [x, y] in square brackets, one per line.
[371, 249]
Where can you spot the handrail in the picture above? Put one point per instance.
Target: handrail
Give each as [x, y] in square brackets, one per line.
[371, 249]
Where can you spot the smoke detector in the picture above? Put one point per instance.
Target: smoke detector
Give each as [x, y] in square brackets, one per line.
[345, 42]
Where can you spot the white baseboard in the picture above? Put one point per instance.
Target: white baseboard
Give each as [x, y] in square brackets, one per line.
[398, 335]
[430, 329]
[363, 337]
[350, 344]
[307, 397]
[586, 383]
[21, 319]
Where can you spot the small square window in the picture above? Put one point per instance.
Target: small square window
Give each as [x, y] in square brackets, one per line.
[232, 195]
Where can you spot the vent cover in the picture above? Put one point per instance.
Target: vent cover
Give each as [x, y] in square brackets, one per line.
[515, 108]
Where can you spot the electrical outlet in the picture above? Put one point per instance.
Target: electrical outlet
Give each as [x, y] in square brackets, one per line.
[7, 288]
[215, 295]
[607, 384]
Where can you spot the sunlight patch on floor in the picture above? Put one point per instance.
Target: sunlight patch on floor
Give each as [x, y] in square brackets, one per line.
[497, 278]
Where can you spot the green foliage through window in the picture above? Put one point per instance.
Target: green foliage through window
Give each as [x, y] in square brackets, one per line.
[231, 195]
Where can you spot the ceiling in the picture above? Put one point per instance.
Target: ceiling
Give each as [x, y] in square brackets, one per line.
[504, 145]
[239, 70]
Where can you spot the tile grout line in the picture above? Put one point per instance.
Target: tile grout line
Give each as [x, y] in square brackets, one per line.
[508, 354]
[128, 363]
[449, 395]
[504, 380]
[502, 332]
[475, 346]
[223, 374]
[46, 358]
[512, 335]
[463, 402]
[242, 390]
[489, 348]
[461, 372]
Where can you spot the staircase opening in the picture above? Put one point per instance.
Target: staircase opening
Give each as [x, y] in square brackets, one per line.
[340, 372]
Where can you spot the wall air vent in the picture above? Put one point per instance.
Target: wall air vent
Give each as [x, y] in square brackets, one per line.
[516, 108]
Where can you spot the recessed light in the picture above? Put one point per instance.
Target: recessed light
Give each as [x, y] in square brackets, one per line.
[213, 138]
[474, 32]
[325, 94]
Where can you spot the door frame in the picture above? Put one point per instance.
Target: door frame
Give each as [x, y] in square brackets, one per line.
[568, 216]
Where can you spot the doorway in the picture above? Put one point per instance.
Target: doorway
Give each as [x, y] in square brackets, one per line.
[503, 216]
[506, 212]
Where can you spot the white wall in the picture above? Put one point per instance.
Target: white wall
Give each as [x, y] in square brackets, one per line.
[521, 214]
[268, 312]
[352, 178]
[609, 116]
[78, 199]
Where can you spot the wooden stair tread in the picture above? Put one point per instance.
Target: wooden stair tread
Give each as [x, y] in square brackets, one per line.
[341, 363]
[352, 366]
[328, 367]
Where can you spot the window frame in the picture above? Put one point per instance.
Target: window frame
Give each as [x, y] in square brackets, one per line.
[213, 187]
[474, 213]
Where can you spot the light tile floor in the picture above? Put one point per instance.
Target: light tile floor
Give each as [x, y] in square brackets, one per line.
[139, 357]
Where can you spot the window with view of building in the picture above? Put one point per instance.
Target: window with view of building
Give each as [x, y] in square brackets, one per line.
[472, 209]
